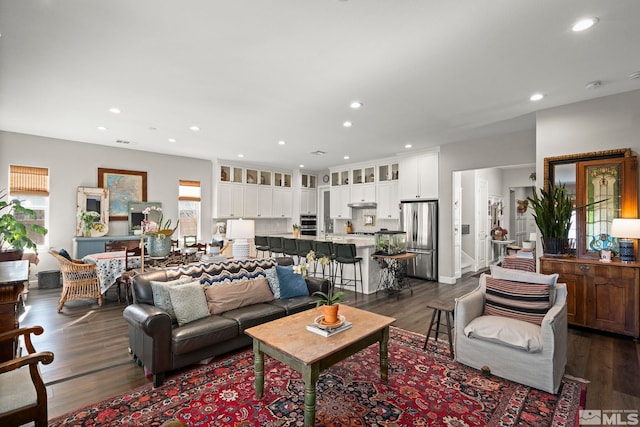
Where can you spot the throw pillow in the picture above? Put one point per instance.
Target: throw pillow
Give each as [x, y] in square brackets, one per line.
[228, 296]
[274, 283]
[161, 298]
[512, 332]
[291, 284]
[189, 302]
[523, 301]
[526, 277]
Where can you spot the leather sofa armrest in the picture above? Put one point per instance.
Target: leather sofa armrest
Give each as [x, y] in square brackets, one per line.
[152, 320]
[316, 284]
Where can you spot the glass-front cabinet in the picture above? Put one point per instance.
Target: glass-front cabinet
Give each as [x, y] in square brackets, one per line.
[388, 172]
[282, 179]
[308, 181]
[363, 175]
[257, 177]
[339, 178]
[232, 174]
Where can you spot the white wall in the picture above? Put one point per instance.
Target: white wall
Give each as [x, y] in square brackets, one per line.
[517, 148]
[74, 164]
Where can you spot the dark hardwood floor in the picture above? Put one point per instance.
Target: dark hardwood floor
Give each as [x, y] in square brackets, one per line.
[92, 363]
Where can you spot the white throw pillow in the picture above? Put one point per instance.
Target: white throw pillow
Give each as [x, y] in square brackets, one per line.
[189, 302]
[503, 330]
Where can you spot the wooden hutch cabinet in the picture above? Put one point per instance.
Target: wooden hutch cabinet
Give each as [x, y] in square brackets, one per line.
[602, 296]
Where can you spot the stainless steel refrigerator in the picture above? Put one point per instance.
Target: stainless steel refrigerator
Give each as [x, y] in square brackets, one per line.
[420, 221]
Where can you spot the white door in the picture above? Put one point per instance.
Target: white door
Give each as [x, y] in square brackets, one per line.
[457, 226]
[482, 218]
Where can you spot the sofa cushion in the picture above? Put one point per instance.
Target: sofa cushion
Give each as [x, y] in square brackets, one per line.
[274, 283]
[295, 304]
[189, 302]
[253, 315]
[291, 284]
[228, 296]
[203, 333]
[161, 298]
[523, 301]
[506, 331]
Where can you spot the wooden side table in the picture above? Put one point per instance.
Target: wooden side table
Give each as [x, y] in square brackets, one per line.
[13, 275]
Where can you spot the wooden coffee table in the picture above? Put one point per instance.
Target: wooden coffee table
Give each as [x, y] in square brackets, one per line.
[288, 341]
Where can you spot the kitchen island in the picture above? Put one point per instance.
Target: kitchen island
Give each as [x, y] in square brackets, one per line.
[365, 247]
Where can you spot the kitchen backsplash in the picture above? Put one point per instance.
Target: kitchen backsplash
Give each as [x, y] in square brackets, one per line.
[357, 221]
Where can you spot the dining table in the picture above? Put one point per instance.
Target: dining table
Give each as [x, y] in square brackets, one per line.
[110, 266]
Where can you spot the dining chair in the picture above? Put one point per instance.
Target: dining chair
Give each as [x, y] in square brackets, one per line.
[23, 394]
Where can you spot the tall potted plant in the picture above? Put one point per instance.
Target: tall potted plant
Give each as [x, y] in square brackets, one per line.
[14, 234]
[552, 213]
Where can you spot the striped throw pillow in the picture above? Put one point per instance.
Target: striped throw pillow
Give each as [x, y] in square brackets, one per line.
[523, 301]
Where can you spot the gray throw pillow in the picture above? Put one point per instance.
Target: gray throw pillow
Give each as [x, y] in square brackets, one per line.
[161, 298]
[274, 283]
[189, 302]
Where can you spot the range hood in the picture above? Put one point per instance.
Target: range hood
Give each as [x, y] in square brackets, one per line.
[363, 205]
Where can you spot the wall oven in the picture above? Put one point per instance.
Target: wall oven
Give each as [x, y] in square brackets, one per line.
[308, 225]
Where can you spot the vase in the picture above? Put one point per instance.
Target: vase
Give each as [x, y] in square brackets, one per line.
[330, 313]
[158, 247]
[555, 245]
[296, 234]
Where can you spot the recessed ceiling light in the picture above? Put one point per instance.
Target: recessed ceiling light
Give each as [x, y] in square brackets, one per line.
[536, 97]
[408, 146]
[281, 142]
[102, 128]
[347, 124]
[194, 128]
[346, 157]
[584, 24]
[355, 105]
[301, 166]
[240, 155]
[153, 128]
[172, 140]
[114, 110]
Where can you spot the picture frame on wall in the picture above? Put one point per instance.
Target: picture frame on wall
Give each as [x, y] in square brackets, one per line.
[124, 186]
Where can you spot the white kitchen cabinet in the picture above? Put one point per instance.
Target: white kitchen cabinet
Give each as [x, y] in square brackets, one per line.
[340, 198]
[230, 174]
[419, 177]
[388, 200]
[365, 175]
[388, 172]
[308, 181]
[282, 203]
[308, 201]
[363, 193]
[258, 202]
[230, 201]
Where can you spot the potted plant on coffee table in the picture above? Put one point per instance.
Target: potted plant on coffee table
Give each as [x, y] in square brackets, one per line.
[14, 233]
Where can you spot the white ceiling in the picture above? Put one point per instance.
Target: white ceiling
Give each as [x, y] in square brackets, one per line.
[252, 72]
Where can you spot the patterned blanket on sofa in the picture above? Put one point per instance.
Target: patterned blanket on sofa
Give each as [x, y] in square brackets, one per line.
[223, 271]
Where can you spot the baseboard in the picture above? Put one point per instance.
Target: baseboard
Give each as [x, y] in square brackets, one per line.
[447, 279]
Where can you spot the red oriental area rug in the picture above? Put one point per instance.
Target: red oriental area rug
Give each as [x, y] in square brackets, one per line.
[425, 388]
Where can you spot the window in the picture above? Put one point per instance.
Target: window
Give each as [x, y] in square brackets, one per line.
[189, 209]
[31, 186]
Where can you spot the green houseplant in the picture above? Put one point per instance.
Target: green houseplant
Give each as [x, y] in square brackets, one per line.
[14, 234]
[552, 214]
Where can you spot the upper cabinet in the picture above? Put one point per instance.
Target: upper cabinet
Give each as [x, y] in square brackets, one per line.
[388, 172]
[388, 200]
[339, 178]
[282, 179]
[230, 174]
[419, 178]
[308, 181]
[364, 175]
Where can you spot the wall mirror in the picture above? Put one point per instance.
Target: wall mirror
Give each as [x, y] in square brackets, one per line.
[136, 216]
[93, 200]
[606, 183]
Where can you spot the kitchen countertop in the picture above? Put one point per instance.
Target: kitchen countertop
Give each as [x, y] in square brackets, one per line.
[359, 240]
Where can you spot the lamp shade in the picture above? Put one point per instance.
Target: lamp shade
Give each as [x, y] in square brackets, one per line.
[240, 229]
[626, 228]
[533, 237]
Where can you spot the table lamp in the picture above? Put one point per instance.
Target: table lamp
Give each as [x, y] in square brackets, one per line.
[626, 229]
[240, 231]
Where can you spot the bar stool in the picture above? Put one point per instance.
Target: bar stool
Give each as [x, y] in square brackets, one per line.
[290, 247]
[304, 247]
[345, 253]
[275, 245]
[262, 245]
[323, 248]
[439, 306]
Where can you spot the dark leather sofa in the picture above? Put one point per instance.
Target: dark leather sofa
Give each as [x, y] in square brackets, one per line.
[162, 346]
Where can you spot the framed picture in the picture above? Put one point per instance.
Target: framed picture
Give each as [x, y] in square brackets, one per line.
[124, 186]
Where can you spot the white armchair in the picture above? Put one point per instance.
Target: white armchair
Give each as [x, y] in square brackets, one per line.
[535, 356]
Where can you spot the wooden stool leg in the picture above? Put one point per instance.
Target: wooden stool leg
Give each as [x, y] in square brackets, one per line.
[438, 324]
[433, 316]
[446, 314]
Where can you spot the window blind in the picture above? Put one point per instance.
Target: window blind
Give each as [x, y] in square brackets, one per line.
[28, 180]
[189, 191]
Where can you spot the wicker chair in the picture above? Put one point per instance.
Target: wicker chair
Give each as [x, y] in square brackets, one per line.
[78, 280]
[23, 395]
